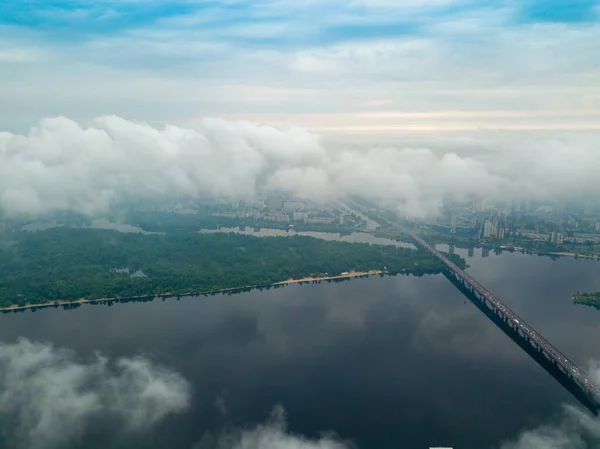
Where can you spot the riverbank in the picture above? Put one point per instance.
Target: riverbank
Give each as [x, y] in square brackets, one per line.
[576, 255]
[82, 301]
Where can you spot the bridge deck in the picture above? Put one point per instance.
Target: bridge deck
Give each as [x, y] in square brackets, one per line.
[578, 375]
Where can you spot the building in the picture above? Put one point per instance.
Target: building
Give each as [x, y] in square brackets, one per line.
[490, 229]
[344, 218]
[293, 205]
[598, 226]
[556, 238]
[453, 223]
[300, 216]
[319, 220]
[277, 217]
[240, 214]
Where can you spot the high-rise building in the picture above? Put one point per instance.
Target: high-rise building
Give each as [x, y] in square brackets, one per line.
[501, 232]
[490, 229]
[556, 238]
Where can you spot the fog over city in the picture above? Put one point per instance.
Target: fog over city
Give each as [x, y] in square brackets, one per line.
[61, 164]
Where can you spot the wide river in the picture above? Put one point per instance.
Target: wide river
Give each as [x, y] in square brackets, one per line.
[394, 362]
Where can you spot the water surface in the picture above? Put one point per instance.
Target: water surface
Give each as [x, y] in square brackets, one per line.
[392, 362]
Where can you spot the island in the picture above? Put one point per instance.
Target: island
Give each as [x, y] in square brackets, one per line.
[65, 265]
[588, 299]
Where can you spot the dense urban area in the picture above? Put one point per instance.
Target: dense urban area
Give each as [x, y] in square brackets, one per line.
[568, 228]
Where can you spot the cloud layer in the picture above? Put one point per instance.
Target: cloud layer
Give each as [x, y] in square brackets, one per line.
[48, 398]
[172, 62]
[61, 165]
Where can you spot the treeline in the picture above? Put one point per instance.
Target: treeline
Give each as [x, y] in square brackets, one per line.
[69, 264]
[156, 221]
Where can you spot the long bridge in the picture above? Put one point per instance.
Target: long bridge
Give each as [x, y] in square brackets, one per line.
[551, 359]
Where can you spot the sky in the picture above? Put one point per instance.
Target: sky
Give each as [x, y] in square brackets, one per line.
[404, 101]
[342, 67]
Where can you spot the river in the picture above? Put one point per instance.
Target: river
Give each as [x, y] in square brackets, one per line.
[393, 362]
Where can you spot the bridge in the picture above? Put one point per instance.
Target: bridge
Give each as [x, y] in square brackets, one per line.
[551, 359]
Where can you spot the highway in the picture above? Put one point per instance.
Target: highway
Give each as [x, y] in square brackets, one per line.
[517, 323]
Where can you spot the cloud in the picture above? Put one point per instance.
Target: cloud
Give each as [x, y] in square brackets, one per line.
[49, 399]
[575, 429]
[271, 435]
[173, 62]
[60, 165]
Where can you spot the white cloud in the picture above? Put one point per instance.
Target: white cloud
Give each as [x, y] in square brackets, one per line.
[61, 165]
[313, 62]
[576, 429]
[48, 398]
[271, 435]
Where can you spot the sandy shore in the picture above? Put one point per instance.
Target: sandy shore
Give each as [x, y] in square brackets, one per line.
[349, 275]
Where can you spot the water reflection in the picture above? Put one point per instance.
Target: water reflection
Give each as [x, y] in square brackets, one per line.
[355, 237]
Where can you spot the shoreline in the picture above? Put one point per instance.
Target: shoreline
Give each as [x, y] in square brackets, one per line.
[521, 250]
[82, 301]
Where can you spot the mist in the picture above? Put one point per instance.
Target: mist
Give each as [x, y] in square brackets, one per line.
[575, 428]
[272, 434]
[50, 399]
[63, 165]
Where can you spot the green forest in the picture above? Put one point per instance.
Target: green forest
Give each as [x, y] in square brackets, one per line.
[70, 263]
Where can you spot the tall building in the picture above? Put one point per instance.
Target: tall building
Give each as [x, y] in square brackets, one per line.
[490, 229]
[453, 223]
[556, 238]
